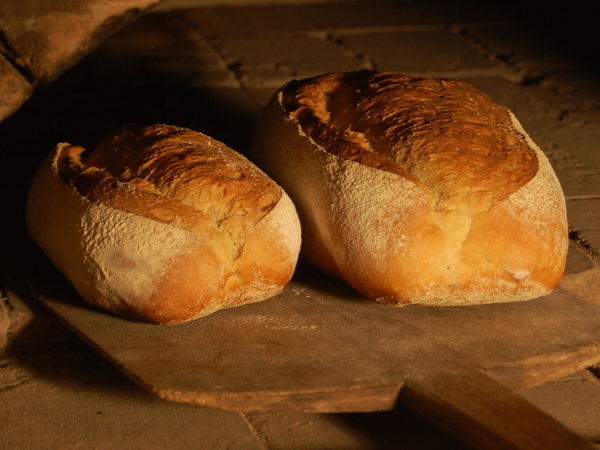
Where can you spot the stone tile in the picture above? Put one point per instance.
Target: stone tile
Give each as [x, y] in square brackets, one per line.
[580, 87]
[582, 276]
[574, 401]
[584, 224]
[228, 115]
[574, 149]
[584, 284]
[4, 323]
[573, 158]
[522, 46]
[573, 186]
[590, 240]
[473, 11]
[365, 14]
[401, 428]
[249, 20]
[577, 261]
[274, 77]
[76, 399]
[44, 38]
[577, 152]
[584, 214]
[419, 52]
[159, 50]
[158, 70]
[262, 61]
[15, 89]
[263, 50]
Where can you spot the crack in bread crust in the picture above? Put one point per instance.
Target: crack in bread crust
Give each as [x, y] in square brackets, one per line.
[442, 134]
[415, 190]
[174, 175]
[163, 224]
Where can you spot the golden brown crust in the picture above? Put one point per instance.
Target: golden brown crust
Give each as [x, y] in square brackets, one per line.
[415, 190]
[189, 167]
[163, 224]
[167, 173]
[446, 134]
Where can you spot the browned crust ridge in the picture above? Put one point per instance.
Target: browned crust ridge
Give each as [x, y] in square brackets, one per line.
[243, 238]
[444, 135]
[173, 175]
[415, 190]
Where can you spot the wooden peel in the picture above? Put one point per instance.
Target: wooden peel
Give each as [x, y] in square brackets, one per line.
[320, 347]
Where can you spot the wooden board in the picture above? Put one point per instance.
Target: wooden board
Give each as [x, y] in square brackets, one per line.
[321, 347]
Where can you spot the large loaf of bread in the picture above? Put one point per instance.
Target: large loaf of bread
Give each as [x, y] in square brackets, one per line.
[415, 190]
[163, 224]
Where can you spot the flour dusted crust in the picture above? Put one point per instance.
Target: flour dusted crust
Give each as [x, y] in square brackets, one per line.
[415, 190]
[163, 224]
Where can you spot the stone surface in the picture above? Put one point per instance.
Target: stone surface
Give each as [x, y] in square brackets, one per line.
[14, 87]
[582, 276]
[577, 261]
[40, 39]
[423, 53]
[584, 224]
[361, 16]
[585, 284]
[573, 400]
[469, 12]
[250, 21]
[4, 323]
[160, 51]
[263, 61]
[43, 38]
[522, 47]
[77, 400]
[400, 429]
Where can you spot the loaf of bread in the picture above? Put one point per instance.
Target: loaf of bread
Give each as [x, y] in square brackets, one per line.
[415, 190]
[163, 224]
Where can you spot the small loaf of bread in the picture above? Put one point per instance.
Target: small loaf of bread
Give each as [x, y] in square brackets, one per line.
[415, 190]
[163, 224]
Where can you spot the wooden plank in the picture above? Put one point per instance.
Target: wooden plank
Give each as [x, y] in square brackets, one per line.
[520, 344]
[321, 347]
[483, 413]
[317, 338]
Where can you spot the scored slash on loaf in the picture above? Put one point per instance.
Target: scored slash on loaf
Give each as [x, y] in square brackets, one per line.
[163, 224]
[415, 190]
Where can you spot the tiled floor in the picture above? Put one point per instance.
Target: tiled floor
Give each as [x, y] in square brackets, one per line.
[212, 69]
